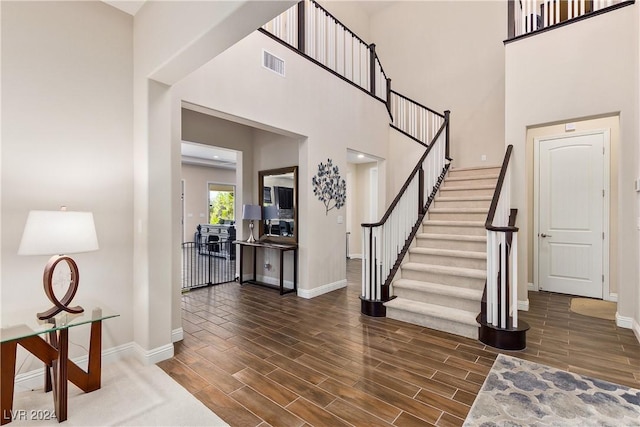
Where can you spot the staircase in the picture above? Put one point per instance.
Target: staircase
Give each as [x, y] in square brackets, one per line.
[441, 281]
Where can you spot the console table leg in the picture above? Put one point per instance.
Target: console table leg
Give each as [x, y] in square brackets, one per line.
[61, 385]
[95, 357]
[8, 370]
[281, 272]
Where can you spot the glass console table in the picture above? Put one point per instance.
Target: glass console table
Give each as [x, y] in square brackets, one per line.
[53, 350]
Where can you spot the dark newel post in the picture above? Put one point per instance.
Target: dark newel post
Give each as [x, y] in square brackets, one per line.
[420, 190]
[446, 118]
[388, 94]
[511, 19]
[301, 27]
[372, 66]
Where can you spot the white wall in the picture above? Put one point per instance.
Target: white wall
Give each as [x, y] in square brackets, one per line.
[448, 55]
[196, 194]
[171, 39]
[586, 69]
[309, 102]
[66, 139]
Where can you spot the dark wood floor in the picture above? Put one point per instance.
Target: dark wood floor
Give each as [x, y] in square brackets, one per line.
[257, 358]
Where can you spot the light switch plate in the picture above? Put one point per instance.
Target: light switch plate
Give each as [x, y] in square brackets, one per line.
[569, 127]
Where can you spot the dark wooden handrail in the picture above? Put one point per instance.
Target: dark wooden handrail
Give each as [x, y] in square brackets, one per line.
[418, 104]
[496, 196]
[337, 21]
[413, 173]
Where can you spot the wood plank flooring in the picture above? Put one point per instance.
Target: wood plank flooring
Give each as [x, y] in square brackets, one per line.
[256, 358]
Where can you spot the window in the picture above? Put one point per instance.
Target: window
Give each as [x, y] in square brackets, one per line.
[221, 203]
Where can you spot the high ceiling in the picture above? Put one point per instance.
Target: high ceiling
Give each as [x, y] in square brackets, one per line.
[129, 6]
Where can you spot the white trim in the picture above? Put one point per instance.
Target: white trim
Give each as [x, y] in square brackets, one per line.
[155, 355]
[177, 335]
[269, 280]
[355, 256]
[636, 329]
[34, 380]
[612, 297]
[531, 287]
[311, 293]
[623, 321]
[523, 305]
[606, 225]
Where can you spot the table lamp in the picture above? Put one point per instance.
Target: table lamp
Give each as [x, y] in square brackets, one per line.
[270, 212]
[251, 212]
[58, 233]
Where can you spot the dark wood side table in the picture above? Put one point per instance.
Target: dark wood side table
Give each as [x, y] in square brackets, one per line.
[282, 247]
[55, 355]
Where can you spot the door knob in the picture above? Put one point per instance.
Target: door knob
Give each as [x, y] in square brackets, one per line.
[545, 235]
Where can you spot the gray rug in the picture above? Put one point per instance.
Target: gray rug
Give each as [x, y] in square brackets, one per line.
[521, 393]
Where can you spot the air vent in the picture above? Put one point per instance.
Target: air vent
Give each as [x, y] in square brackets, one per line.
[273, 63]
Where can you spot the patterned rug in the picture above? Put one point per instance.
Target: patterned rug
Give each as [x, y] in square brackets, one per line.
[521, 393]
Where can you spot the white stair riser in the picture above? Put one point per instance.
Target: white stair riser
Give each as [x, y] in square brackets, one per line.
[446, 325]
[447, 191]
[471, 182]
[473, 172]
[453, 229]
[438, 299]
[452, 244]
[458, 216]
[449, 261]
[462, 204]
[446, 279]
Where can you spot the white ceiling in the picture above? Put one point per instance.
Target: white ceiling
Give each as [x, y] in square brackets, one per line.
[206, 155]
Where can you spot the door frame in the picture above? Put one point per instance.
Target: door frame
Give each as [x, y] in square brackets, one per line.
[606, 133]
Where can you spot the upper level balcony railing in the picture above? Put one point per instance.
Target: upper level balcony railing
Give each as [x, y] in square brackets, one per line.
[528, 16]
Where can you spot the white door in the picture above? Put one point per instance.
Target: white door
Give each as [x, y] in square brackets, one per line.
[571, 203]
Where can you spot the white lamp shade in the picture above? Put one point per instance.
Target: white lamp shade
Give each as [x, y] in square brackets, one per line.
[251, 212]
[270, 212]
[58, 233]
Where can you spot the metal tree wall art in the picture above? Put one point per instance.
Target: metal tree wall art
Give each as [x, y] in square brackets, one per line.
[329, 187]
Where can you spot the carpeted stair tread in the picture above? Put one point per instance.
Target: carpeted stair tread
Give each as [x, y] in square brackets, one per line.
[442, 269]
[433, 310]
[449, 252]
[463, 198]
[467, 187]
[455, 223]
[473, 168]
[458, 210]
[438, 288]
[472, 177]
[460, 237]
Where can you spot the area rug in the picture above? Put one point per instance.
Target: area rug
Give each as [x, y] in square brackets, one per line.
[594, 308]
[132, 394]
[521, 393]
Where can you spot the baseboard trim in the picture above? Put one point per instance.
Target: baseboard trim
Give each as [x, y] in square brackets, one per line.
[623, 321]
[523, 305]
[311, 293]
[177, 335]
[34, 380]
[613, 297]
[531, 287]
[355, 256]
[155, 355]
[636, 329]
[274, 281]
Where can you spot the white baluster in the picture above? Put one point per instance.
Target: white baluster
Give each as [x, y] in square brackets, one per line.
[503, 281]
[514, 278]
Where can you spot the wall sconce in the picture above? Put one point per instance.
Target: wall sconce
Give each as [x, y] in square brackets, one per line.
[59, 233]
